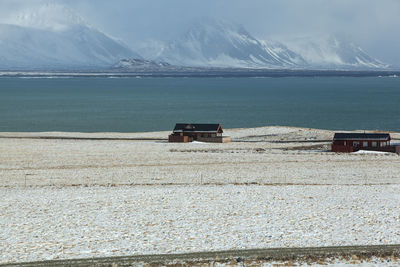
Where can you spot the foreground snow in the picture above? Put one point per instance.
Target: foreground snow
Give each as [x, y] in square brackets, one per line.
[337, 262]
[68, 198]
[70, 222]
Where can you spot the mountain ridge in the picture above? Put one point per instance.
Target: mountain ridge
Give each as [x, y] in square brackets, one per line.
[55, 37]
[217, 43]
[32, 41]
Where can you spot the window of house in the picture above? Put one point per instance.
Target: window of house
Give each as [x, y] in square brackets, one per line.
[383, 144]
[365, 144]
[374, 144]
[356, 143]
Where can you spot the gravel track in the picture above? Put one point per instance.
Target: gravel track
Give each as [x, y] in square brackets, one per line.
[261, 255]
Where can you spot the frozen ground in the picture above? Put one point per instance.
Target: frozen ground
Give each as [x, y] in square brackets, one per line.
[274, 187]
[352, 261]
[66, 222]
[265, 155]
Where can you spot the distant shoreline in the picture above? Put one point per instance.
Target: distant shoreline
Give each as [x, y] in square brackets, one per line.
[156, 135]
[200, 73]
[162, 135]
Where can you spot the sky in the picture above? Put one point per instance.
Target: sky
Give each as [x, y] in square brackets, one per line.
[372, 24]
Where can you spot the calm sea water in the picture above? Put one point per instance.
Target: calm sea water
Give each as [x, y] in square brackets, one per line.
[151, 104]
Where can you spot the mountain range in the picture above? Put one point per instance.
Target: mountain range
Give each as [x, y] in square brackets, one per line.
[55, 37]
[214, 43]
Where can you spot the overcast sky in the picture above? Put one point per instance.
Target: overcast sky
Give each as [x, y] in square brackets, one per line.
[372, 24]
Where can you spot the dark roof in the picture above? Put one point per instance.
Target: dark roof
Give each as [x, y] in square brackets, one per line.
[361, 136]
[197, 127]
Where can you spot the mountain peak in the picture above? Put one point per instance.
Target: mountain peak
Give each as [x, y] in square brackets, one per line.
[52, 36]
[217, 43]
[210, 28]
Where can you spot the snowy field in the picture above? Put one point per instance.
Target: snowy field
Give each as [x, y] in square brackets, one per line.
[66, 222]
[258, 157]
[352, 261]
[270, 188]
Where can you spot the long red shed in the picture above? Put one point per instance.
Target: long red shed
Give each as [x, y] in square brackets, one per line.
[351, 142]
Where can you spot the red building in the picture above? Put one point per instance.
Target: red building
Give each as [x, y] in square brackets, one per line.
[351, 142]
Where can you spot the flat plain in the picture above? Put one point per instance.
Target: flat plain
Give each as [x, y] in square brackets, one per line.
[69, 195]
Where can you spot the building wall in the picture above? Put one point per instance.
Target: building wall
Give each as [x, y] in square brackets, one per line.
[391, 149]
[340, 147]
[210, 137]
[218, 139]
[179, 139]
[354, 145]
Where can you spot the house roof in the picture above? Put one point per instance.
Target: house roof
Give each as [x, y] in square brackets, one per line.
[362, 136]
[198, 127]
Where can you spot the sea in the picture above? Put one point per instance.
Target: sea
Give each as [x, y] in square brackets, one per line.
[139, 104]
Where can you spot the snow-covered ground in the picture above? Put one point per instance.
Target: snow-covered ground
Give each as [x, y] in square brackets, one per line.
[265, 155]
[63, 198]
[70, 222]
[336, 262]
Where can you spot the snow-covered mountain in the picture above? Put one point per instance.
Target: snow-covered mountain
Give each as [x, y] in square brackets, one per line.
[52, 36]
[332, 52]
[216, 43]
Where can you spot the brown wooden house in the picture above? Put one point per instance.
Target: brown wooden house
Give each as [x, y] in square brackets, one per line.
[351, 142]
[202, 132]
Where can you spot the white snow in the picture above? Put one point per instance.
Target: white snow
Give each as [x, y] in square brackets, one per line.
[63, 198]
[337, 262]
[72, 222]
[198, 142]
[370, 152]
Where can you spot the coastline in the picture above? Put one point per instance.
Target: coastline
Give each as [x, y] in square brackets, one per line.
[241, 132]
[200, 73]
